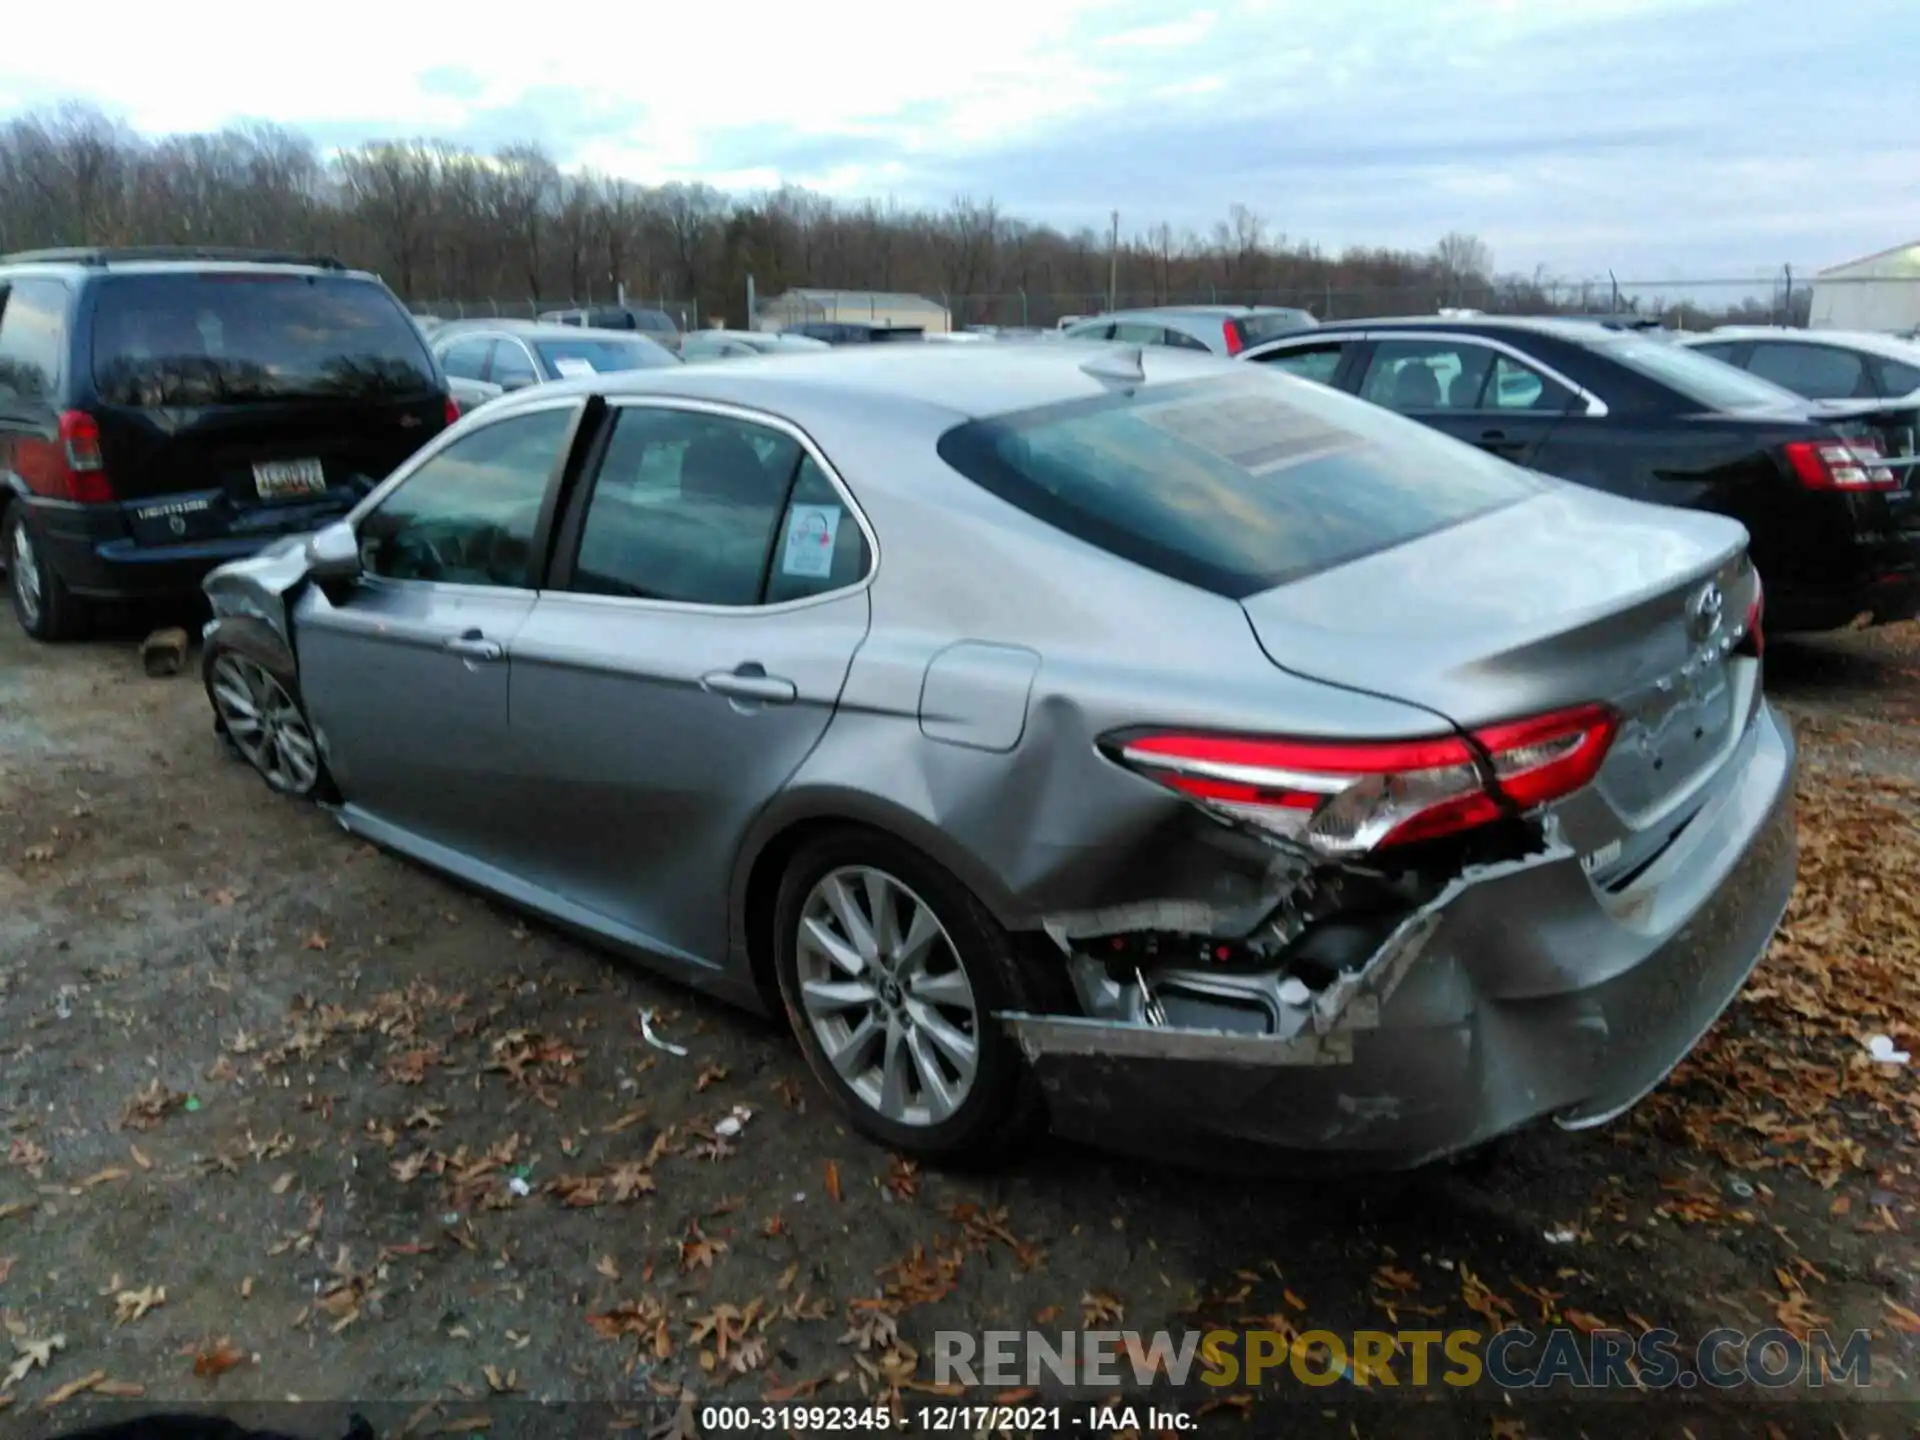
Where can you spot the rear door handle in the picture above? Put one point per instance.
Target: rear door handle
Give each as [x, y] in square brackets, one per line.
[474, 646]
[751, 682]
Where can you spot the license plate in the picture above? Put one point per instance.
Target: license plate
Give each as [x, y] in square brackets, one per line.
[277, 479]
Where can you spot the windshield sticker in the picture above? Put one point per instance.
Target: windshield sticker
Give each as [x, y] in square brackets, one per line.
[571, 367]
[811, 531]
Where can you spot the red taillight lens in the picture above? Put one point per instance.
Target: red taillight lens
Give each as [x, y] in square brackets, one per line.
[1236, 340]
[85, 470]
[1840, 465]
[1350, 798]
[1754, 641]
[453, 409]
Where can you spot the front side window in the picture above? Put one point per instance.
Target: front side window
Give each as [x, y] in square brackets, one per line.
[33, 333]
[512, 367]
[688, 507]
[1420, 375]
[466, 358]
[469, 514]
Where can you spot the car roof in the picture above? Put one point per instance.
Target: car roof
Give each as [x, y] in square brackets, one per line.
[945, 384]
[1207, 310]
[31, 263]
[1579, 331]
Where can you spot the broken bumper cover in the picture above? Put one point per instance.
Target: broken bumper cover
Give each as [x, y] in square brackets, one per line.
[1524, 991]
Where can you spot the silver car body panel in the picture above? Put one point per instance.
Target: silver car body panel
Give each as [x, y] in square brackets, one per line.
[955, 699]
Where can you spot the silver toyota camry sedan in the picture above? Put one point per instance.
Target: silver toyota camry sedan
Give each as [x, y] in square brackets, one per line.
[1188, 758]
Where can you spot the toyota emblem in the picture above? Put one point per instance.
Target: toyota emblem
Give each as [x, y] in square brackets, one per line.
[1704, 610]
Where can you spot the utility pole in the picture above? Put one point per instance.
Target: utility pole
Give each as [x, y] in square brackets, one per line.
[1113, 262]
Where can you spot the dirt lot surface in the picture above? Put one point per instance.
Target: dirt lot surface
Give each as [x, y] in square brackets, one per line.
[273, 1097]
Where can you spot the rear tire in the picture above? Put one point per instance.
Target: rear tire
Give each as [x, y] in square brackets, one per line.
[260, 715]
[43, 605]
[891, 973]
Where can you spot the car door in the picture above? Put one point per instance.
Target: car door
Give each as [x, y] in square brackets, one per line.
[405, 672]
[512, 365]
[709, 594]
[1483, 394]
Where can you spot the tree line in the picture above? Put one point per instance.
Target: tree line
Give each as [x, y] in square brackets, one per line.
[443, 224]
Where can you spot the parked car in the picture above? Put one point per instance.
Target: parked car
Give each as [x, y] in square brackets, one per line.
[1436, 797]
[164, 409]
[656, 325]
[740, 344]
[514, 354]
[1870, 378]
[1223, 329]
[1834, 530]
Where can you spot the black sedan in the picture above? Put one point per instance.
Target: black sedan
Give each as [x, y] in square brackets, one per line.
[1834, 530]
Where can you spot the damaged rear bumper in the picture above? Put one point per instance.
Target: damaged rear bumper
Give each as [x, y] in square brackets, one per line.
[1524, 990]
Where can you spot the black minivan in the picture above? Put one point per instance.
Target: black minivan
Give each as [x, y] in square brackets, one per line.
[165, 410]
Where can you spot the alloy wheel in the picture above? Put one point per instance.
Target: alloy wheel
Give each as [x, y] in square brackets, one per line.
[265, 724]
[887, 997]
[23, 563]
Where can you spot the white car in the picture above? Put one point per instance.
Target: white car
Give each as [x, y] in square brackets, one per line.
[1819, 364]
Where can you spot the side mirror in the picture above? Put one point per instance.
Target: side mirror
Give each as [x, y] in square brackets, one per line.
[333, 553]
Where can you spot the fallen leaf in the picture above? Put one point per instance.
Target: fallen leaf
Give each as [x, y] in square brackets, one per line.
[246, 1288]
[140, 1158]
[710, 1076]
[833, 1180]
[210, 1362]
[103, 1177]
[315, 941]
[72, 1388]
[608, 1267]
[1099, 1310]
[283, 1184]
[501, 1384]
[130, 1305]
[120, 1389]
[34, 1355]
[16, 1207]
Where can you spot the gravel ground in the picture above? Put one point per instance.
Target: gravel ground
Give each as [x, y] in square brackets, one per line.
[271, 1093]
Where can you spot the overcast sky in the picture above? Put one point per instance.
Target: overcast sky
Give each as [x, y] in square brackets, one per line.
[1661, 138]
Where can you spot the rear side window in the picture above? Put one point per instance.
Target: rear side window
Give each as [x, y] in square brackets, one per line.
[230, 337]
[1312, 362]
[1234, 485]
[1272, 324]
[1694, 377]
[1898, 379]
[33, 330]
[1820, 372]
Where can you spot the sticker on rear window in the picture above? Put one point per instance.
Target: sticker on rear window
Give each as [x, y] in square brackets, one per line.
[811, 531]
[571, 368]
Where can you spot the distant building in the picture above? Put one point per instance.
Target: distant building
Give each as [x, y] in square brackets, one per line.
[1880, 292]
[854, 307]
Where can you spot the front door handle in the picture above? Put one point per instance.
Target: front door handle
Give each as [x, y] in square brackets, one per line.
[1498, 440]
[751, 682]
[474, 646]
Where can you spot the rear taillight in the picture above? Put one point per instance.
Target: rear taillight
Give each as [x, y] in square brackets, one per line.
[1754, 640]
[453, 409]
[1840, 465]
[79, 469]
[1348, 798]
[1236, 338]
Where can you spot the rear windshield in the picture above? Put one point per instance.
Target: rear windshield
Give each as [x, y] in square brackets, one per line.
[1700, 378]
[1237, 484]
[1271, 324]
[567, 358]
[223, 337]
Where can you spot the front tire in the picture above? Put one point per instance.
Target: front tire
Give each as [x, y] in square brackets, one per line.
[258, 711]
[892, 973]
[43, 605]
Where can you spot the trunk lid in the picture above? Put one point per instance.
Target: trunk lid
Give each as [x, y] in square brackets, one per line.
[195, 473]
[1567, 598]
